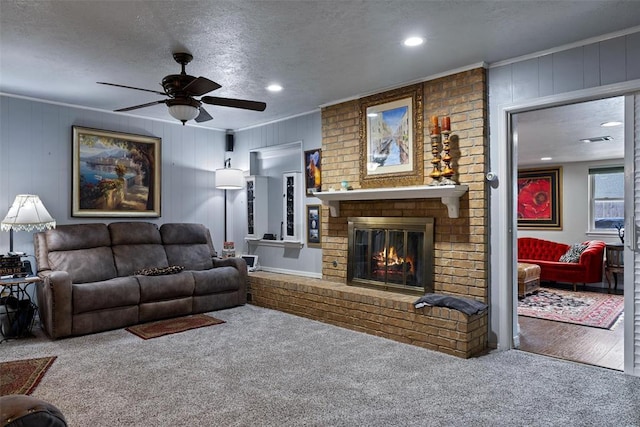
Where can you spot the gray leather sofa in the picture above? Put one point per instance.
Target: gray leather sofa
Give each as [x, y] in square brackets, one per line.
[89, 281]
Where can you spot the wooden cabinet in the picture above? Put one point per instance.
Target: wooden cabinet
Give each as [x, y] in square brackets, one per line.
[292, 206]
[257, 191]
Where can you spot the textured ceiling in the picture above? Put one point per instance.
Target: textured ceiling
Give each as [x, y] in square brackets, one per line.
[320, 51]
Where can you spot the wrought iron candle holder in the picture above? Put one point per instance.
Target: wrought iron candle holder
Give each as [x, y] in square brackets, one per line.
[447, 171]
[435, 161]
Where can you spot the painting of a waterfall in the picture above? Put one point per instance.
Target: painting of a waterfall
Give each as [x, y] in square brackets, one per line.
[115, 174]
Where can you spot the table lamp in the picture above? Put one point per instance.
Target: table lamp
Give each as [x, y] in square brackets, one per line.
[26, 214]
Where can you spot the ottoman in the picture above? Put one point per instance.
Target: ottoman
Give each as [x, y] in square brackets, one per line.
[528, 278]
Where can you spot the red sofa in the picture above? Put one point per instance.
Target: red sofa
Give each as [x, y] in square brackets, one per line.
[547, 254]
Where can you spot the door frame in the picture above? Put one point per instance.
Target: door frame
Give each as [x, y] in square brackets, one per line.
[503, 215]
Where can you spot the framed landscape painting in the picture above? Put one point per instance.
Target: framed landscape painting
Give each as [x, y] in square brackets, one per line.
[540, 199]
[115, 174]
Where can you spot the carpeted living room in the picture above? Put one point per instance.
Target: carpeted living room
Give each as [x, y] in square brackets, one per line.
[298, 213]
[265, 367]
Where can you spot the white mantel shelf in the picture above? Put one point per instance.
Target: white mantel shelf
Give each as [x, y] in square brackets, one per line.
[448, 194]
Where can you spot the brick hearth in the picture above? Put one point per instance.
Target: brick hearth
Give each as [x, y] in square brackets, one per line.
[385, 314]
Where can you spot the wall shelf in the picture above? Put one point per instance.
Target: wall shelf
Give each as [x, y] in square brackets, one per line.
[276, 243]
[448, 194]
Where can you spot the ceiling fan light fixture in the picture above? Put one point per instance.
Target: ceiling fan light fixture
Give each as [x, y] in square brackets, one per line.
[184, 113]
[275, 87]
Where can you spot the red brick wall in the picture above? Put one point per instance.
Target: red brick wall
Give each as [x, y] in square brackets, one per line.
[461, 244]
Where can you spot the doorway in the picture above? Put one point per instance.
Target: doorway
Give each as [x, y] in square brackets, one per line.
[571, 138]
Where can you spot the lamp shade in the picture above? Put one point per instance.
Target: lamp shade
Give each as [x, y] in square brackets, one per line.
[229, 179]
[184, 113]
[27, 214]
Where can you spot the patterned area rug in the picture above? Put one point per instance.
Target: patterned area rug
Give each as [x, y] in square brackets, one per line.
[22, 376]
[582, 308]
[171, 326]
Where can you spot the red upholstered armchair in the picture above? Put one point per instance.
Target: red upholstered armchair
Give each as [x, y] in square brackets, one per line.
[547, 255]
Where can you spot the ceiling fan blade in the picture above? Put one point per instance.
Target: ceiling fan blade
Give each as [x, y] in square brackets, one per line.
[236, 103]
[200, 86]
[135, 107]
[130, 87]
[203, 116]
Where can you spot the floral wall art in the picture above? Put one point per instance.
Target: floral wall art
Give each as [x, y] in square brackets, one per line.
[539, 199]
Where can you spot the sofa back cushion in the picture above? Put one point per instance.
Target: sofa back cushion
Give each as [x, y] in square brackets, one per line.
[188, 245]
[136, 246]
[83, 250]
[544, 250]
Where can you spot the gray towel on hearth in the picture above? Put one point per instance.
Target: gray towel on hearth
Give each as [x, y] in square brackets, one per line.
[465, 305]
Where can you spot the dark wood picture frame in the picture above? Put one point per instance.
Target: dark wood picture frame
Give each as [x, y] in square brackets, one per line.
[314, 226]
[115, 174]
[313, 171]
[539, 204]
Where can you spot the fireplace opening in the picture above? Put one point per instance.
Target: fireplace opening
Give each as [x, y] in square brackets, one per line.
[391, 253]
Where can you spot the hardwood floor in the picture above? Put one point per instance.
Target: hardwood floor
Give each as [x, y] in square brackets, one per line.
[584, 344]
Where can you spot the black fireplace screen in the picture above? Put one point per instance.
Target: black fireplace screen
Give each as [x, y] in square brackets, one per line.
[392, 253]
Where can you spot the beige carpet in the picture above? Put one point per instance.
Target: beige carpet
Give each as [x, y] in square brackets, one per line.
[267, 368]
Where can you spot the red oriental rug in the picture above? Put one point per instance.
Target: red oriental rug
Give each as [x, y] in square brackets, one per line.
[581, 308]
[22, 376]
[171, 326]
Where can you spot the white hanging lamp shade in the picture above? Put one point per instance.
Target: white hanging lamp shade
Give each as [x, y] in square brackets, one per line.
[229, 179]
[184, 113]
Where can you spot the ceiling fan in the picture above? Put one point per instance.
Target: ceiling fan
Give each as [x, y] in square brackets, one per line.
[181, 90]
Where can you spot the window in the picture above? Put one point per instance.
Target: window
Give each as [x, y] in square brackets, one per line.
[606, 198]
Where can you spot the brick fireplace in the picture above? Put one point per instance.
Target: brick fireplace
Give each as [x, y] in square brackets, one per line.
[459, 250]
[391, 253]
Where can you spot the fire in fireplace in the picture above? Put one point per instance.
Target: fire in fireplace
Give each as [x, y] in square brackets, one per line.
[391, 253]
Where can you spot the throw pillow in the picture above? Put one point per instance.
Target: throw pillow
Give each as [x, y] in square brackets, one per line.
[155, 271]
[573, 254]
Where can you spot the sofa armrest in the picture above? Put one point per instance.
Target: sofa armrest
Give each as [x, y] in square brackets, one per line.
[55, 303]
[239, 264]
[592, 259]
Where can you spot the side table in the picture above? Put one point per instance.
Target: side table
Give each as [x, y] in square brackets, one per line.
[17, 310]
[613, 264]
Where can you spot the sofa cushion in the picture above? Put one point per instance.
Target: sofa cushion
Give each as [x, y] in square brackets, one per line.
[136, 245]
[220, 279]
[573, 254]
[75, 247]
[113, 293]
[84, 265]
[188, 245]
[134, 233]
[161, 288]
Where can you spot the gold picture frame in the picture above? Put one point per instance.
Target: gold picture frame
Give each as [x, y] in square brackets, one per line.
[115, 174]
[540, 199]
[392, 139]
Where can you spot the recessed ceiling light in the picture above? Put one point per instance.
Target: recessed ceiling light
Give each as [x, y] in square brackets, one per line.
[597, 139]
[413, 41]
[546, 159]
[610, 124]
[274, 87]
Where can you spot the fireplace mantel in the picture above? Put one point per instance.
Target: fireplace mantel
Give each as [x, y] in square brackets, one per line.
[448, 194]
